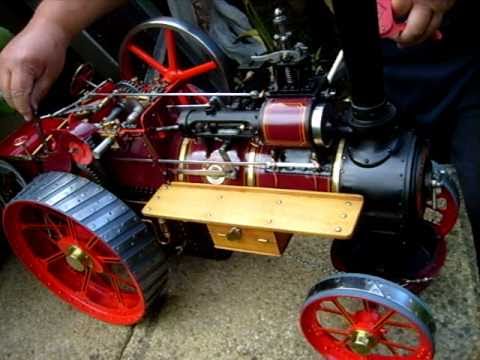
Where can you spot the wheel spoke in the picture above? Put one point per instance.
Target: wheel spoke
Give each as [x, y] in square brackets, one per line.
[171, 50]
[384, 319]
[394, 345]
[389, 347]
[54, 227]
[120, 280]
[91, 243]
[344, 311]
[366, 305]
[146, 58]
[399, 324]
[109, 259]
[116, 290]
[330, 311]
[52, 258]
[197, 71]
[86, 280]
[336, 331]
[71, 228]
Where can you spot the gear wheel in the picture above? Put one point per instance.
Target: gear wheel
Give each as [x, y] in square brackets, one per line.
[87, 247]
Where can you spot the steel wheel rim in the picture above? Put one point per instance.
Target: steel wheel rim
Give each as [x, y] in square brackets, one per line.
[337, 341]
[119, 302]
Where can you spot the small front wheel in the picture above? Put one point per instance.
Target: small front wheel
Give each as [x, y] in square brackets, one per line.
[356, 316]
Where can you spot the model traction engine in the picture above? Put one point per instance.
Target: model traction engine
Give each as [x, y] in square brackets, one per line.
[171, 158]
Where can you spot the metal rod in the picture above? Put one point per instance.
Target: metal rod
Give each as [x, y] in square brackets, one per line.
[336, 65]
[70, 106]
[191, 106]
[253, 94]
[266, 164]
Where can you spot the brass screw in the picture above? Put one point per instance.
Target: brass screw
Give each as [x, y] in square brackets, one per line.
[76, 258]
[338, 229]
[362, 342]
[234, 233]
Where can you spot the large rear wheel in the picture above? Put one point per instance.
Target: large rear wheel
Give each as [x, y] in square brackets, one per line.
[86, 246]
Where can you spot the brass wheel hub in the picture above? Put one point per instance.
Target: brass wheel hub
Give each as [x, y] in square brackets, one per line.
[77, 258]
[362, 342]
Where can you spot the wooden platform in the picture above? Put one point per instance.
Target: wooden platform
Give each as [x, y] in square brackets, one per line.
[329, 215]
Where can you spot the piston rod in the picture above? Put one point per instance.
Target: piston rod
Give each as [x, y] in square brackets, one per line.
[266, 164]
[253, 94]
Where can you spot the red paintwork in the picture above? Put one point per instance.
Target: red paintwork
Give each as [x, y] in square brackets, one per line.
[27, 131]
[172, 73]
[285, 122]
[66, 142]
[27, 230]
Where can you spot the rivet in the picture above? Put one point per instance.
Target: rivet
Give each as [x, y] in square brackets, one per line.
[269, 221]
[210, 214]
[338, 229]
[343, 216]
[279, 202]
[158, 197]
[348, 203]
[149, 209]
[220, 197]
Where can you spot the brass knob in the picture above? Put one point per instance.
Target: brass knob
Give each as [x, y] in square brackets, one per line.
[362, 342]
[234, 233]
[77, 258]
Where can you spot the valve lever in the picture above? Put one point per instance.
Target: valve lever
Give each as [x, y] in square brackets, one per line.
[37, 123]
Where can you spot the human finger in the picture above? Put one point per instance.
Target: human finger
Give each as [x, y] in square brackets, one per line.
[21, 86]
[5, 78]
[418, 23]
[401, 7]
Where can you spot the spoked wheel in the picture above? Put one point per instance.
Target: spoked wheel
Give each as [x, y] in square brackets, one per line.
[178, 52]
[86, 246]
[354, 316]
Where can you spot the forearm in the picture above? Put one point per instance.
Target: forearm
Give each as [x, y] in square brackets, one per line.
[71, 16]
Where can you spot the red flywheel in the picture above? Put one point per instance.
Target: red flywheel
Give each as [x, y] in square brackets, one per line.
[357, 317]
[86, 246]
[182, 53]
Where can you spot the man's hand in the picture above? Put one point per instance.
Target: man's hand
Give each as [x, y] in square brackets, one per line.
[29, 65]
[33, 60]
[424, 18]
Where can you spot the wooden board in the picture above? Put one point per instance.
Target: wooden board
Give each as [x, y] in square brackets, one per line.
[330, 215]
[261, 242]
